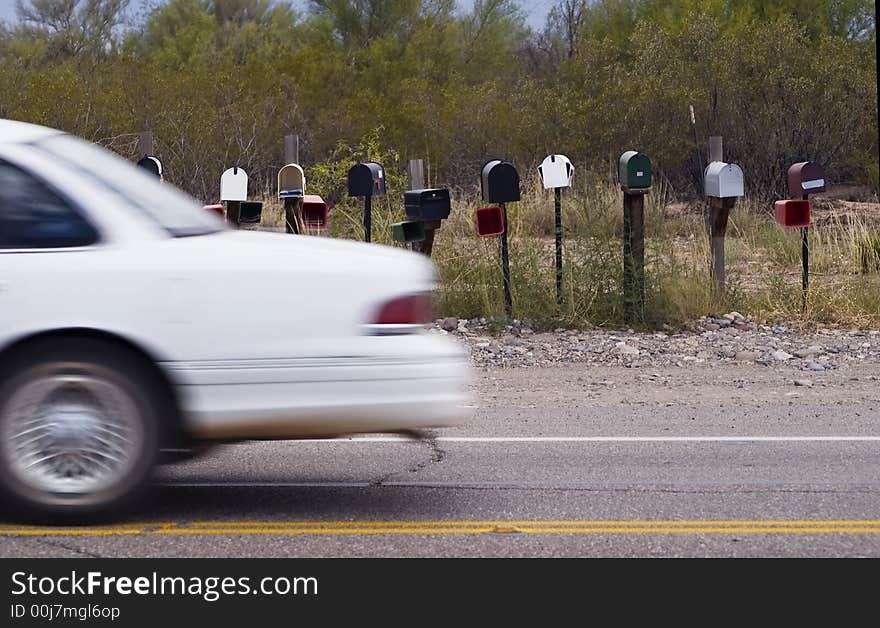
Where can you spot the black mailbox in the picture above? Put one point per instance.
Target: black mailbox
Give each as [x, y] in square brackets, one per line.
[152, 165]
[366, 179]
[500, 182]
[427, 205]
[250, 212]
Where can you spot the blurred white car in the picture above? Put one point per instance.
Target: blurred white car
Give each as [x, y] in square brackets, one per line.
[132, 320]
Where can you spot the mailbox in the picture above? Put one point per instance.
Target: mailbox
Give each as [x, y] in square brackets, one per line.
[152, 165]
[250, 212]
[291, 181]
[409, 231]
[500, 182]
[489, 221]
[793, 213]
[634, 172]
[314, 212]
[233, 185]
[217, 209]
[366, 179]
[804, 178]
[724, 180]
[556, 172]
[428, 205]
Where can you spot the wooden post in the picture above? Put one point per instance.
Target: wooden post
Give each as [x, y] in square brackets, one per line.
[633, 257]
[505, 266]
[415, 173]
[716, 218]
[291, 149]
[145, 143]
[292, 206]
[233, 213]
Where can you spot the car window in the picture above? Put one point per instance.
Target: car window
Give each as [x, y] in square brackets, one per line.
[174, 211]
[33, 217]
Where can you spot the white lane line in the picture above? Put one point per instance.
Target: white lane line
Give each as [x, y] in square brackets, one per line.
[610, 439]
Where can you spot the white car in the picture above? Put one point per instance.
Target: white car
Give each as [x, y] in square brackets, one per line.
[132, 320]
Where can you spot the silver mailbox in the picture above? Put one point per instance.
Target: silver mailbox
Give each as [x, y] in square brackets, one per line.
[724, 180]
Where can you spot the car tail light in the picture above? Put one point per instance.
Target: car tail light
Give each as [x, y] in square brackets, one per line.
[402, 315]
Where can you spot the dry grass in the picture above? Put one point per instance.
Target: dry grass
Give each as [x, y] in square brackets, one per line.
[763, 260]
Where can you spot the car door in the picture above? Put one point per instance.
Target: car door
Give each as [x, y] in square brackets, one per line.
[35, 221]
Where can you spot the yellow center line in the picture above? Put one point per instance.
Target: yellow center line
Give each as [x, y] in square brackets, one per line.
[581, 523]
[459, 527]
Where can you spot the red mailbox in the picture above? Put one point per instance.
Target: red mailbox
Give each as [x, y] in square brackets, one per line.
[489, 221]
[314, 212]
[793, 213]
[217, 209]
[805, 178]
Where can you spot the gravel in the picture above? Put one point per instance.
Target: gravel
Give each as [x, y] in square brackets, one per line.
[730, 338]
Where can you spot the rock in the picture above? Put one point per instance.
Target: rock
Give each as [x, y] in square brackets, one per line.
[781, 356]
[747, 356]
[803, 382]
[815, 366]
[449, 324]
[744, 326]
[713, 327]
[621, 348]
[809, 352]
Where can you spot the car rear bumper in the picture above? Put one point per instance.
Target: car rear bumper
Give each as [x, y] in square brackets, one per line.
[322, 397]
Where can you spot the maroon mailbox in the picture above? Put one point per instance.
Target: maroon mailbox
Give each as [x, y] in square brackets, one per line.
[314, 212]
[489, 221]
[793, 213]
[805, 178]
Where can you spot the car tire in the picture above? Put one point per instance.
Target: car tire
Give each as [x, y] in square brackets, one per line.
[79, 430]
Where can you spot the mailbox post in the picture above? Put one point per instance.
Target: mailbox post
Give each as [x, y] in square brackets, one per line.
[556, 173]
[291, 191]
[367, 180]
[635, 176]
[233, 194]
[500, 184]
[428, 207]
[804, 178]
[723, 183]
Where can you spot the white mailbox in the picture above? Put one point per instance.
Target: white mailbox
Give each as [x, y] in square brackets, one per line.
[233, 185]
[724, 180]
[556, 172]
[291, 181]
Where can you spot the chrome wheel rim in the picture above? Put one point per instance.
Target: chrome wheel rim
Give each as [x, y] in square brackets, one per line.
[71, 431]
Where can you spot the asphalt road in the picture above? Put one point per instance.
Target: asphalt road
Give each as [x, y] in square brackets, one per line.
[574, 461]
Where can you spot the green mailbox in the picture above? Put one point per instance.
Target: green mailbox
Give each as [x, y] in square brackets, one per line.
[634, 172]
[409, 231]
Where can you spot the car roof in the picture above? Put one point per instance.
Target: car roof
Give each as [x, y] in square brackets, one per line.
[12, 132]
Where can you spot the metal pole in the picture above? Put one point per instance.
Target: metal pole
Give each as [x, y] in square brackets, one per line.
[558, 246]
[505, 266]
[805, 258]
[633, 257]
[368, 219]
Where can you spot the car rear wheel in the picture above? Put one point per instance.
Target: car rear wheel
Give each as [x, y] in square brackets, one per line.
[79, 429]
